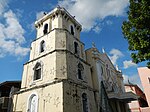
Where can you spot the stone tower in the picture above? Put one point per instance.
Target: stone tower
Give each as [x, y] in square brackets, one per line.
[57, 77]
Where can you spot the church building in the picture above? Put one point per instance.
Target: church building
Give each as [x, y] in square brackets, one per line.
[61, 76]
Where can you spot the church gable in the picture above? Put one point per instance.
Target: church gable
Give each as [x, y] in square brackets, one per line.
[107, 61]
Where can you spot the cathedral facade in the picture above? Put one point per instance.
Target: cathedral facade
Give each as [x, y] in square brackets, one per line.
[61, 76]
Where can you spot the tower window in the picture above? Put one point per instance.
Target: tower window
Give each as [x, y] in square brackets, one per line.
[102, 70]
[76, 46]
[72, 30]
[108, 71]
[80, 71]
[37, 71]
[84, 102]
[42, 46]
[45, 29]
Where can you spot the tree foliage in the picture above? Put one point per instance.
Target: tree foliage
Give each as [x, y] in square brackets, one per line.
[137, 30]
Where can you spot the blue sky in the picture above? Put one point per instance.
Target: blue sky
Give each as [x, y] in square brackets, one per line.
[101, 21]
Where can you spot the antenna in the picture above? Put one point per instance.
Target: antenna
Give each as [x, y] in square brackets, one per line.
[129, 81]
[44, 13]
[93, 45]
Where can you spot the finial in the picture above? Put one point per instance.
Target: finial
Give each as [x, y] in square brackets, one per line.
[103, 50]
[117, 68]
[120, 71]
[58, 6]
[93, 45]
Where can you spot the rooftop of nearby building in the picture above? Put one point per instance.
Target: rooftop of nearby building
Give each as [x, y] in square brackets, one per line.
[5, 87]
[137, 90]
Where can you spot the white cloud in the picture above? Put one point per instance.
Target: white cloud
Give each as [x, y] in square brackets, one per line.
[97, 29]
[13, 29]
[87, 12]
[39, 15]
[134, 79]
[115, 54]
[3, 5]
[108, 22]
[11, 33]
[128, 64]
[31, 27]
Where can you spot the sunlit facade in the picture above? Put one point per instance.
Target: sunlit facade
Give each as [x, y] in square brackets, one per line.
[61, 76]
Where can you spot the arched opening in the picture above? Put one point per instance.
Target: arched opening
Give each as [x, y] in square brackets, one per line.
[45, 29]
[80, 71]
[84, 102]
[72, 29]
[76, 48]
[37, 71]
[107, 71]
[42, 46]
[33, 103]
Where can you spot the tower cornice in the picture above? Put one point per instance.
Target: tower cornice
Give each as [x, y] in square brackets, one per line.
[58, 11]
[59, 50]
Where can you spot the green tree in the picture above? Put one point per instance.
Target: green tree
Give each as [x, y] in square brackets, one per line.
[137, 30]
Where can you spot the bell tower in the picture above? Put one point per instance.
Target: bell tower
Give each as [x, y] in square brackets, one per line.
[58, 38]
[57, 77]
